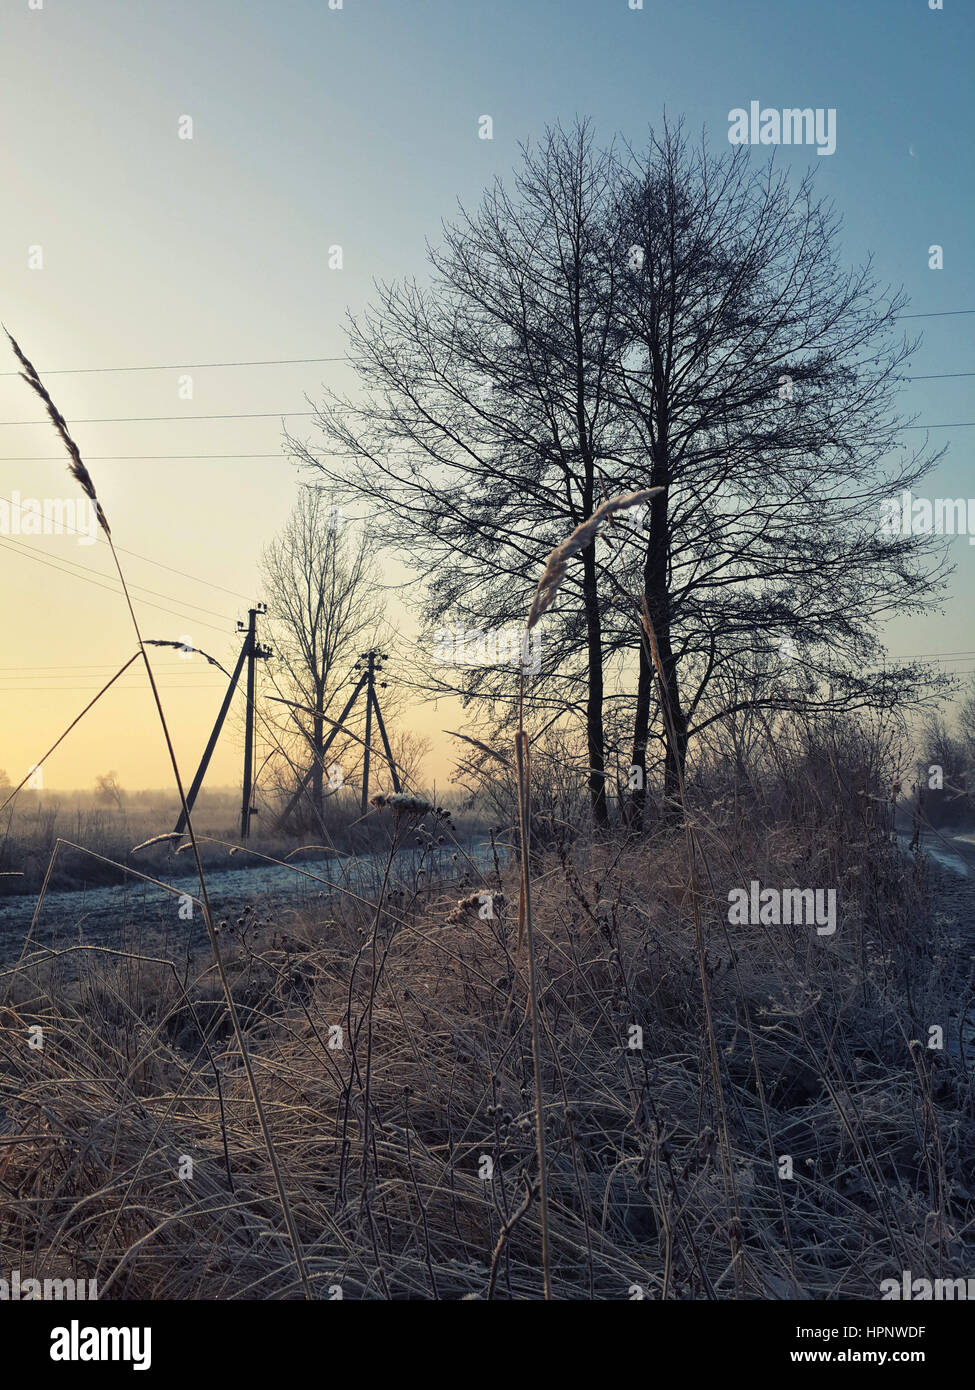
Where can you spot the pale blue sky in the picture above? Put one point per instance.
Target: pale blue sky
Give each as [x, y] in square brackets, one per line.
[359, 127]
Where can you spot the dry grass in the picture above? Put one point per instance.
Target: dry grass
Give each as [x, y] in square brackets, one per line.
[382, 1142]
[137, 838]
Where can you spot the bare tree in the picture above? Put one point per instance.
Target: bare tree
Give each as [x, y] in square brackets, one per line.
[966, 723]
[108, 790]
[622, 322]
[409, 751]
[757, 377]
[482, 430]
[944, 775]
[323, 607]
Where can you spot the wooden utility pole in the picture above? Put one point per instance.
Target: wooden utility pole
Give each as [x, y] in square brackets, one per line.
[379, 720]
[193, 792]
[374, 668]
[249, 652]
[366, 682]
[319, 756]
[253, 651]
[370, 660]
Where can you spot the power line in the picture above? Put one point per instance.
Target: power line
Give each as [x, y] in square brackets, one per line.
[192, 366]
[935, 314]
[295, 414]
[938, 660]
[208, 583]
[936, 376]
[90, 666]
[286, 361]
[59, 673]
[127, 458]
[184, 617]
[344, 357]
[159, 419]
[79, 689]
[903, 656]
[79, 673]
[31, 672]
[184, 603]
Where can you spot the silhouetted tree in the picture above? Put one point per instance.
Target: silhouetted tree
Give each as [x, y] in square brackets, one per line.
[484, 433]
[323, 607]
[108, 790]
[758, 376]
[622, 321]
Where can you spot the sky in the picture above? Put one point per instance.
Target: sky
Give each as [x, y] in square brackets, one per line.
[123, 245]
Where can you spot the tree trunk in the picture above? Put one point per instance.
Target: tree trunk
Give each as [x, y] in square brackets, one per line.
[317, 783]
[594, 700]
[657, 596]
[675, 726]
[641, 730]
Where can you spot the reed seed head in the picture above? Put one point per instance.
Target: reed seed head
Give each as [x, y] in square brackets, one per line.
[558, 561]
[76, 465]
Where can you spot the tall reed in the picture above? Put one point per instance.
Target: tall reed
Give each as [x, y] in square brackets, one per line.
[553, 574]
[79, 472]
